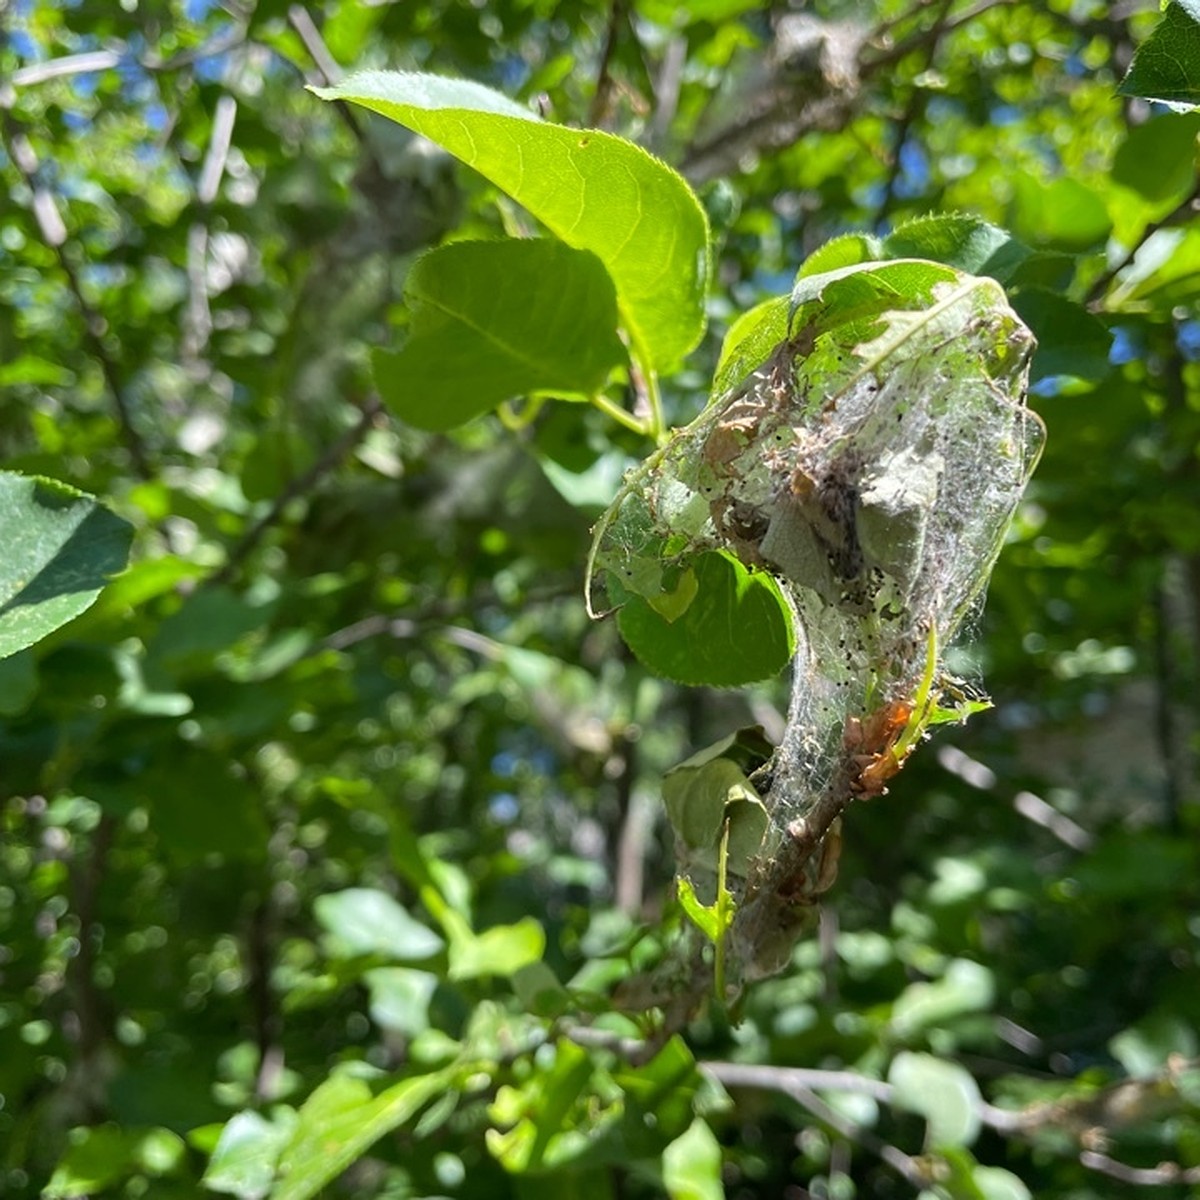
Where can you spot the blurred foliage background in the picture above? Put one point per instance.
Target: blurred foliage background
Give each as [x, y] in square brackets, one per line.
[349, 677]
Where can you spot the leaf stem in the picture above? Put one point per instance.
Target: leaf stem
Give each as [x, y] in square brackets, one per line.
[618, 414]
[515, 420]
[723, 916]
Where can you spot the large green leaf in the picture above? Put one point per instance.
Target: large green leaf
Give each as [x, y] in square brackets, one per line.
[60, 546]
[1166, 66]
[1061, 213]
[495, 320]
[596, 191]
[735, 631]
[340, 1121]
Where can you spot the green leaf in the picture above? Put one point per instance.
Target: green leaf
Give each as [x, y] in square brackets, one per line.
[1166, 66]
[540, 1125]
[998, 1184]
[943, 1092]
[1062, 213]
[711, 919]
[737, 630]
[368, 921]
[1158, 157]
[60, 547]
[594, 190]
[848, 250]
[496, 320]
[1145, 1048]
[500, 950]
[243, 1161]
[1071, 341]
[691, 1165]
[966, 987]
[968, 243]
[750, 341]
[340, 1121]
[400, 998]
[95, 1159]
[99, 1156]
[704, 792]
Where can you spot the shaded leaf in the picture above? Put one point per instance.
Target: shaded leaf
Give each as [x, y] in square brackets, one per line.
[1158, 157]
[60, 547]
[496, 320]
[1071, 341]
[737, 630]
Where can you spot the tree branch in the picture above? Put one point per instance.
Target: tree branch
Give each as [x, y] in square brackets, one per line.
[1164, 1175]
[601, 106]
[371, 410]
[1186, 208]
[54, 233]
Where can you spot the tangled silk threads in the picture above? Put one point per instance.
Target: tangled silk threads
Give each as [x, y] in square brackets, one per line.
[871, 463]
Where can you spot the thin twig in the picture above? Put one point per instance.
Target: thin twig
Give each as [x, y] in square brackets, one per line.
[327, 68]
[913, 110]
[302, 484]
[893, 54]
[220, 43]
[199, 316]
[306, 29]
[601, 105]
[785, 1079]
[54, 233]
[798, 1082]
[65, 65]
[1164, 1175]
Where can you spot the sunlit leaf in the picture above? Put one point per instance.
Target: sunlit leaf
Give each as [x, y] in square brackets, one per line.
[340, 1121]
[595, 191]
[943, 1092]
[368, 921]
[692, 1165]
[1166, 66]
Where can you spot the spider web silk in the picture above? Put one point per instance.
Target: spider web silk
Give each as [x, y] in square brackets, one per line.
[873, 469]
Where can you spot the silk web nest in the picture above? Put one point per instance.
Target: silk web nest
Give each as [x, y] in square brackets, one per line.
[870, 463]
